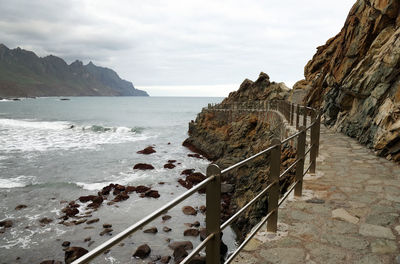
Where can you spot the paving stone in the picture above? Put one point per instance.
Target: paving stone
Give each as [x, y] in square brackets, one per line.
[325, 254]
[376, 231]
[340, 227]
[397, 228]
[342, 214]
[382, 219]
[370, 259]
[345, 241]
[283, 255]
[383, 246]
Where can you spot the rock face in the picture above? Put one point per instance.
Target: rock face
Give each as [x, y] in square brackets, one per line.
[23, 74]
[227, 139]
[355, 78]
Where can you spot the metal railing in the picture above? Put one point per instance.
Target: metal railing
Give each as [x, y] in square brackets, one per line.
[212, 242]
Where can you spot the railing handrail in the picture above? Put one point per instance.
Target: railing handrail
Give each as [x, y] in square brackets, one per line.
[214, 174]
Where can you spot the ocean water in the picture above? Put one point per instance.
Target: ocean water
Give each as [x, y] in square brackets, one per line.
[53, 150]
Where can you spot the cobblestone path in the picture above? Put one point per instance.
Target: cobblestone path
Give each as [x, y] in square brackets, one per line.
[349, 212]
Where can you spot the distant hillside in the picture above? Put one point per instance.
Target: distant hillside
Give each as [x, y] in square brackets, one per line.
[23, 74]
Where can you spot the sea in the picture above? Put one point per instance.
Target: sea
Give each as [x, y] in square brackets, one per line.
[54, 150]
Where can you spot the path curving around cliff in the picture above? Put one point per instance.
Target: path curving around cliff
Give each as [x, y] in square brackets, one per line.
[349, 212]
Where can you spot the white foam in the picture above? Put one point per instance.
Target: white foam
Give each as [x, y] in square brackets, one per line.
[31, 135]
[92, 186]
[20, 181]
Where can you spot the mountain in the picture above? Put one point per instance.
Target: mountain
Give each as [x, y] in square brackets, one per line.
[355, 77]
[24, 74]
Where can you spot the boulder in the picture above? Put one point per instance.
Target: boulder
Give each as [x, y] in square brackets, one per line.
[152, 194]
[106, 231]
[71, 212]
[45, 220]
[21, 206]
[171, 161]
[66, 244]
[143, 166]
[169, 166]
[73, 253]
[121, 197]
[142, 251]
[180, 254]
[147, 151]
[166, 229]
[191, 232]
[151, 230]
[187, 172]
[85, 199]
[142, 189]
[195, 178]
[185, 244]
[95, 220]
[107, 225]
[166, 217]
[6, 223]
[188, 210]
[130, 189]
[165, 259]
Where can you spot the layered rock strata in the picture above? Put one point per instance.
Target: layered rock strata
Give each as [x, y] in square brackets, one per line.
[355, 78]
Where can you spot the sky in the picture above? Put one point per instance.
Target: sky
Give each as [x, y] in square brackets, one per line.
[178, 48]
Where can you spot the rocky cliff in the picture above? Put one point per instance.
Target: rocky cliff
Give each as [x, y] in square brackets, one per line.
[24, 74]
[227, 137]
[355, 78]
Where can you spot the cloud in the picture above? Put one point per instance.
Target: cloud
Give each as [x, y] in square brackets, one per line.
[153, 43]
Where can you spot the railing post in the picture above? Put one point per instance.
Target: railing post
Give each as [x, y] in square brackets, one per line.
[273, 197]
[297, 116]
[301, 146]
[318, 132]
[313, 136]
[213, 214]
[304, 116]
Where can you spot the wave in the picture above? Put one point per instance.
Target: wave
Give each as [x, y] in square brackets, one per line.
[18, 182]
[32, 135]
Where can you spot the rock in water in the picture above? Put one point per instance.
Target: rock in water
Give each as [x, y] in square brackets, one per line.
[73, 253]
[142, 251]
[143, 166]
[147, 151]
[180, 254]
[188, 210]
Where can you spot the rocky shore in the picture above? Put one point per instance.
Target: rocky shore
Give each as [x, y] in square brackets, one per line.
[226, 140]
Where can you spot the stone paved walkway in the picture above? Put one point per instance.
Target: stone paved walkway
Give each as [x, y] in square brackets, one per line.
[349, 213]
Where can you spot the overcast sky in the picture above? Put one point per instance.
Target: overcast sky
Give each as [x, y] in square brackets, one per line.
[198, 48]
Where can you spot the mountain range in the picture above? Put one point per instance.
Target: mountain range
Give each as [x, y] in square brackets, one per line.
[24, 74]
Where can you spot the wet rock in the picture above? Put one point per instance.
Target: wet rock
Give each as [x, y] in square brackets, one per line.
[152, 194]
[187, 185]
[165, 259]
[188, 210]
[87, 239]
[195, 178]
[70, 212]
[199, 260]
[191, 232]
[195, 156]
[196, 224]
[73, 204]
[187, 172]
[143, 166]
[147, 151]
[45, 220]
[119, 187]
[73, 253]
[161, 183]
[180, 254]
[130, 189]
[185, 244]
[105, 231]
[171, 161]
[51, 262]
[66, 244]
[169, 166]
[107, 225]
[142, 189]
[166, 229]
[6, 223]
[166, 217]
[203, 234]
[121, 197]
[142, 251]
[151, 230]
[87, 198]
[202, 209]
[81, 221]
[95, 220]
[21, 206]
[155, 258]
[106, 190]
